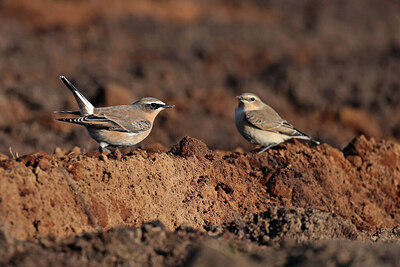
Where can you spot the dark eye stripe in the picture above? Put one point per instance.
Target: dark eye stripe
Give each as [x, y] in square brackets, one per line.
[155, 105]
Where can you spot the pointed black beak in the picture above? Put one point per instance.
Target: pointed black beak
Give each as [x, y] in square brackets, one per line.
[168, 106]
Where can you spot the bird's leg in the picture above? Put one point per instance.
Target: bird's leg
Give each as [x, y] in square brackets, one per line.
[266, 148]
[102, 147]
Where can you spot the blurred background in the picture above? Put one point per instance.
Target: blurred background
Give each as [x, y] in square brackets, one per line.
[331, 68]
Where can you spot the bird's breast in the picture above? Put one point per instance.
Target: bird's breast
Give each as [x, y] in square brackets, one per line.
[241, 123]
[119, 139]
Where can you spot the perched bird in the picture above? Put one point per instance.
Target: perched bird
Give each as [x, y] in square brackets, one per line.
[118, 126]
[259, 123]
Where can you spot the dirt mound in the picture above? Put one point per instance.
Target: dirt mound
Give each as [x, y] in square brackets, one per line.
[276, 225]
[148, 245]
[195, 185]
[335, 253]
[151, 244]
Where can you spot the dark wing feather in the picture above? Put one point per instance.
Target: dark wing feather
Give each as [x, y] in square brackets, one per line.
[101, 121]
[124, 120]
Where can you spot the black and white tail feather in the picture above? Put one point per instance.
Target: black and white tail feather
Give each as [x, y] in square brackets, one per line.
[85, 107]
[301, 135]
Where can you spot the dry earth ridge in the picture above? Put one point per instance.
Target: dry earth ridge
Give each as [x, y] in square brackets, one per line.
[193, 184]
[207, 207]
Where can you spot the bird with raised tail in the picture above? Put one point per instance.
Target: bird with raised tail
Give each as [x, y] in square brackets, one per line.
[258, 123]
[118, 126]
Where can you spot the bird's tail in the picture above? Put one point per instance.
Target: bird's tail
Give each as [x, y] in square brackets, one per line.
[301, 135]
[72, 120]
[315, 141]
[85, 107]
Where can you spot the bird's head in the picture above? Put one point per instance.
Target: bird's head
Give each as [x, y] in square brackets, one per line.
[249, 101]
[151, 105]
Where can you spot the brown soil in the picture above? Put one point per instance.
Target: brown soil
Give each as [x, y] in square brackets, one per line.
[192, 184]
[152, 245]
[205, 195]
[213, 197]
[331, 68]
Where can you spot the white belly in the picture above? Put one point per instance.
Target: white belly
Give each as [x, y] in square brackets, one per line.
[118, 139]
[263, 138]
[254, 134]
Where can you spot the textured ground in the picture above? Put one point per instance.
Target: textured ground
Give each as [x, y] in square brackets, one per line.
[330, 68]
[230, 201]
[196, 185]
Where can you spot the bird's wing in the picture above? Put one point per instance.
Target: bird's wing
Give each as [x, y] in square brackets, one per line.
[107, 122]
[268, 120]
[127, 118]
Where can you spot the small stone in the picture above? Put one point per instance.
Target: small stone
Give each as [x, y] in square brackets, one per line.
[355, 160]
[44, 163]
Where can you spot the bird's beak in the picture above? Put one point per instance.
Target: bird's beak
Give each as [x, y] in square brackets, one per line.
[168, 106]
[239, 97]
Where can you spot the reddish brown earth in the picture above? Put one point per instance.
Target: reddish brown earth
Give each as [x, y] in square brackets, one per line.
[195, 185]
[219, 195]
[331, 68]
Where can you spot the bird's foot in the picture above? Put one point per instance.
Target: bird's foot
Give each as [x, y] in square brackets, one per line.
[102, 148]
[266, 148]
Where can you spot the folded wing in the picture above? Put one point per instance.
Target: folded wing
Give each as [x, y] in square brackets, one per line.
[269, 120]
[101, 121]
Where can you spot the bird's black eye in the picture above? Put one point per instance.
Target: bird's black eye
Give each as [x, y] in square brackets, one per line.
[252, 99]
[155, 105]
